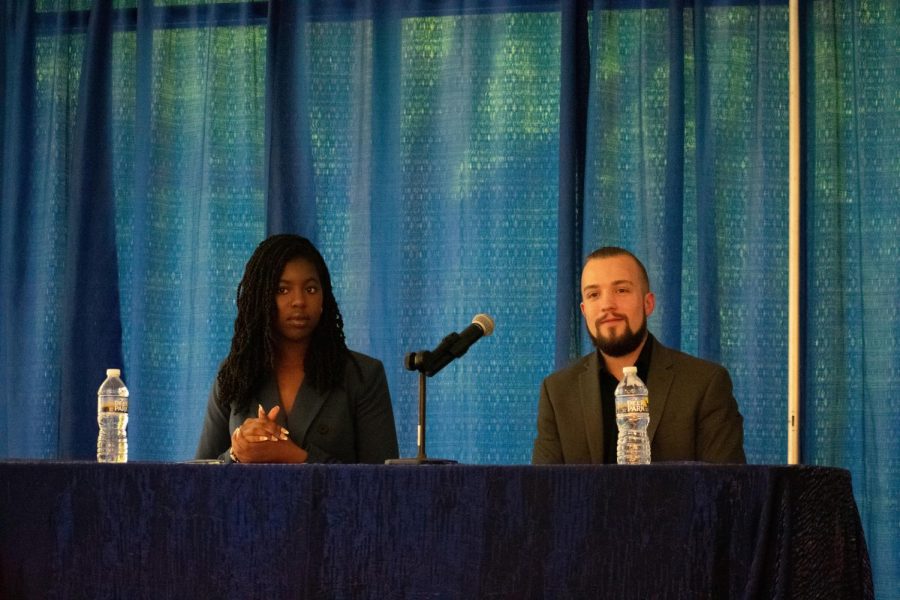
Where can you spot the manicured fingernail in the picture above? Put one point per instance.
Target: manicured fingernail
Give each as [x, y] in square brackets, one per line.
[284, 437]
[285, 431]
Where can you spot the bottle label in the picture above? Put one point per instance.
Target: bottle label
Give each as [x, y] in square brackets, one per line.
[113, 404]
[633, 405]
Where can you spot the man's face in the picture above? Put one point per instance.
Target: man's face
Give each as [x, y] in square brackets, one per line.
[615, 304]
[299, 301]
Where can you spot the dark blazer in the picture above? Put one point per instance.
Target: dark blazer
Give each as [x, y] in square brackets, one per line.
[693, 413]
[354, 423]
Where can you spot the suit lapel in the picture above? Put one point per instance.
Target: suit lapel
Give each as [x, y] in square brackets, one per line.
[659, 382]
[268, 399]
[306, 407]
[589, 391]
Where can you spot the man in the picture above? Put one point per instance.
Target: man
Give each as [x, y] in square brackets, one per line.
[693, 413]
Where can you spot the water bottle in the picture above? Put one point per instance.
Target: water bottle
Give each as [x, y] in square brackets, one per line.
[112, 416]
[632, 417]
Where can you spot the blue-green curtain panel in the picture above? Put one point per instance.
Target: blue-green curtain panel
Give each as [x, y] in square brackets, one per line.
[851, 375]
[687, 164]
[450, 158]
[60, 290]
[190, 190]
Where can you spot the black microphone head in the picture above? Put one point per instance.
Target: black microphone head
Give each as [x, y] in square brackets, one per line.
[485, 322]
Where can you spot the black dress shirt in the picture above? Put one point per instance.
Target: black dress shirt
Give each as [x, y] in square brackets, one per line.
[608, 384]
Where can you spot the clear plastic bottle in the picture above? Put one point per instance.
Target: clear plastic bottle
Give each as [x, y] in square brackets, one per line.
[632, 417]
[112, 417]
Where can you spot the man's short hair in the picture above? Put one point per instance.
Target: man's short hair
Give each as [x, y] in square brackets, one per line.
[611, 251]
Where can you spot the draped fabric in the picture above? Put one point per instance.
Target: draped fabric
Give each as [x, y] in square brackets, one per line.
[450, 158]
[686, 166]
[366, 531]
[434, 160]
[852, 255]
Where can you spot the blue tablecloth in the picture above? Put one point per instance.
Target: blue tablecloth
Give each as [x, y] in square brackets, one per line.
[149, 530]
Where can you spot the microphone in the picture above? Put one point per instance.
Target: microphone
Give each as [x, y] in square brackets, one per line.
[451, 347]
[482, 325]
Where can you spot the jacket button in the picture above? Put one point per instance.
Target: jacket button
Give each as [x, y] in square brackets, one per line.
[324, 429]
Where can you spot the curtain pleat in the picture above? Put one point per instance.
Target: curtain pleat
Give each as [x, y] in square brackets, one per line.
[91, 340]
[291, 197]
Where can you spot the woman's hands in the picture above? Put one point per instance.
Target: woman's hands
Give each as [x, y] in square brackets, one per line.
[263, 440]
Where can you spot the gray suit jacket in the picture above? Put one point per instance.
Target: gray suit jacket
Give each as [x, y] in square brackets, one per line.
[693, 413]
[354, 423]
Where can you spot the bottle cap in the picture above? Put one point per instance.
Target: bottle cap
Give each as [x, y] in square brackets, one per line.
[113, 372]
[627, 370]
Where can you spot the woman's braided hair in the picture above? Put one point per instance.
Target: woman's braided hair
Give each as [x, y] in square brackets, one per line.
[254, 344]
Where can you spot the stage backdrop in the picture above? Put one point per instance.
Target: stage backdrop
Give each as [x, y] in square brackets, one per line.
[450, 158]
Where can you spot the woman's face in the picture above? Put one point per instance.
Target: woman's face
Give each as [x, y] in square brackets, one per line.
[299, 301]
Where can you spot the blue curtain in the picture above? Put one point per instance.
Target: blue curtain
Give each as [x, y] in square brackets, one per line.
[449, 158]
[852, 261]
[686, 164]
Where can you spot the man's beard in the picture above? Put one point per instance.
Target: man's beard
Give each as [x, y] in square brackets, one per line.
[620, 345]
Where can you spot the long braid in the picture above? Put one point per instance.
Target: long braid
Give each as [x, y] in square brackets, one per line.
[253, 346]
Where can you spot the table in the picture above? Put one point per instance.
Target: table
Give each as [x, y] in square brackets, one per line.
[154, 530]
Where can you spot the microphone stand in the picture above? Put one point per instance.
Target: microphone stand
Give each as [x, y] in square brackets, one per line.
[419, 361]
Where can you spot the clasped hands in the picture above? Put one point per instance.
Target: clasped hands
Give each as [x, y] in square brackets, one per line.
[263, 440]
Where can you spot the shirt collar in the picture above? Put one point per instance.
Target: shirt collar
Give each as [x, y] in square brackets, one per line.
[643, 360]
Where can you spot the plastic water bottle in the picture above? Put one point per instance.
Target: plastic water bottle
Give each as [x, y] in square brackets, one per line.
[112, 416]
[632, 417]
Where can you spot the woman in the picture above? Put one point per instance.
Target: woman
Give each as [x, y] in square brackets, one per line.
[290, 391]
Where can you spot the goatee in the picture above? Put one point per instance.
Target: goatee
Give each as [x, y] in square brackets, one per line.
[620, 345]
